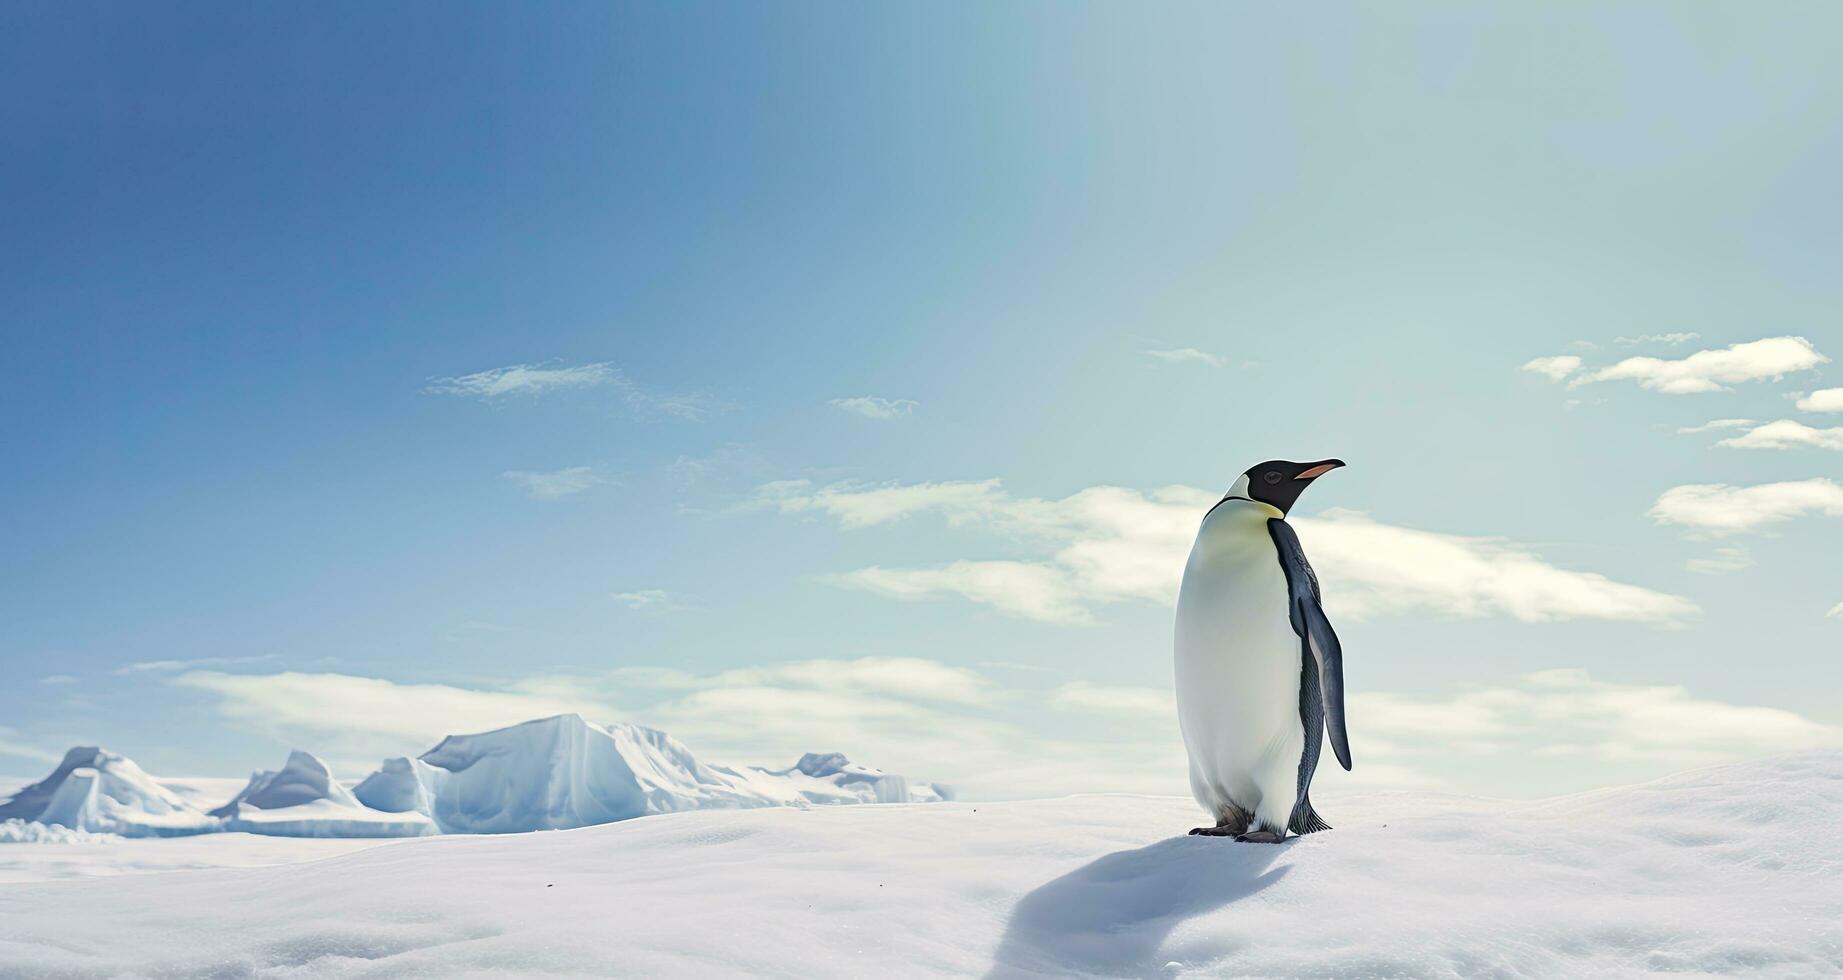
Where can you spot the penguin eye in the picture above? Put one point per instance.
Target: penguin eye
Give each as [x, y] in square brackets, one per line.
[1271, 477]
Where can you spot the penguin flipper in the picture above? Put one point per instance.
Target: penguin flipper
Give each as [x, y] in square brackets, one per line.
[1313, 628]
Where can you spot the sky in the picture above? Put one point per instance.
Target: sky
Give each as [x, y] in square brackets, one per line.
[832, 377]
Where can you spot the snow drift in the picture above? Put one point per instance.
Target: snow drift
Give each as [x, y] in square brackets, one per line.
[1719, 872]
[565, 771]
[94, 790]
[302, 799]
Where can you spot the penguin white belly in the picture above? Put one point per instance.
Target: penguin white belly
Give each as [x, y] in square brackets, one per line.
[1237, 669]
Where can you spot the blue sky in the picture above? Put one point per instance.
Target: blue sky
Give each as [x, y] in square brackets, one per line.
[820, 377]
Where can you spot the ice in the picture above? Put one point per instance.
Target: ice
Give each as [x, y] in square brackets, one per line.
[1726, 871]
[98, 791]
[302, 799]
[565, 771]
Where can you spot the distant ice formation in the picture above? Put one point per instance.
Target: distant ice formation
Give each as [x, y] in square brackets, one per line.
[94, 790]
[566, 771]
[547, 774]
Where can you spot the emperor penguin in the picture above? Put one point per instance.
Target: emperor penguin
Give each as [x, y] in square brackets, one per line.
[1260, 674]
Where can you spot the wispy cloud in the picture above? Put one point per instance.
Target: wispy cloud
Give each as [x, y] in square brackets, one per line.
[1108, 544]
[1553, 368]
[1823, 400]
[1723, 561]
[1786, 434]
[1569, 712]
[1154, 702]
[654, 600]
[10, 745]
[1715, 424]
[872, 407]
[525, 379]
[173, 666]
[1187, 355]
[537, 379]
[555, 484]
[1836, 612]
[1719, 508]
[1673, 339]
[58, 680]
[1707, 370]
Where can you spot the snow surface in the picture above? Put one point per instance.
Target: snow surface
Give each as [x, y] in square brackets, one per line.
[1733, 870]
[97, 791]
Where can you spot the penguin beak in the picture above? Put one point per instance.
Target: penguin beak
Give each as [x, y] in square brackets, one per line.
[1317, 470]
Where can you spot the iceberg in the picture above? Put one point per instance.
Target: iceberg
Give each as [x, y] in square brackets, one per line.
[302, 799]
[565, 771]
[97, 791]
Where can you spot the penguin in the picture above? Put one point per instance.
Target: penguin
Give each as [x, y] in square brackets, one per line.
[1260, 674]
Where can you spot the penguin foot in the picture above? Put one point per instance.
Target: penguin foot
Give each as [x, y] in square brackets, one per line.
[1212, 832]
[1259, 837]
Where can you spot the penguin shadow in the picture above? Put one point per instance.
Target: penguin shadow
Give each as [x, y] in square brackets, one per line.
[1111, 915]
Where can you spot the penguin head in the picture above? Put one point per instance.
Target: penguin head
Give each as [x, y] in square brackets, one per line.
[1279, 482]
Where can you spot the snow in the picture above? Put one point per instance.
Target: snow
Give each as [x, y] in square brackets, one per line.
[1733, 870]
[302, 799]
[565, 771]
[97, 791]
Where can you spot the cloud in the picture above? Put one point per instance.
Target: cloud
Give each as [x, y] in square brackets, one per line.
[1716, 424]
[1786, 434]
[370, 716]
[1672, 339]
[1722, 509]
[1836, 612]
[1567, 711]
[58, 680]
[1155, 702]
[525, 379]
[555, 484]
[922, 718]
[537, 379]
[1825, 400]
[174, 666]
[1109, 544]
[1724, 560]
[872, 407]
[1713, 370]
[1553, 368]
[1033, 590]
[22, 750]
[1187, 355]
[654, 600]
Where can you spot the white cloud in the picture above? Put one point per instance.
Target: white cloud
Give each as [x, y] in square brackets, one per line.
[22, 750]
[1672, 339]
[537, 379]
[1187, 355]
[1716, 424]
[369, 716]
[555, 484]
[1724, 560]
[1157, 702]
[524, 379]
[872, 407]
[1713, 370]
[1836, 612]
[1720, 508]
[1567, 711]
[58, 680]
[1553, 368]
[1825, 400]
[1786, 434]
[1033, 590]
[646, 600]
[1108, 544]
[174, 666]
